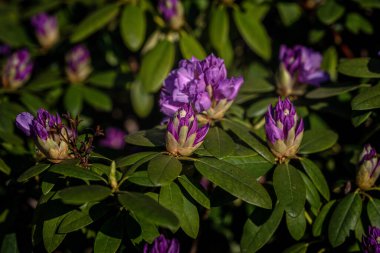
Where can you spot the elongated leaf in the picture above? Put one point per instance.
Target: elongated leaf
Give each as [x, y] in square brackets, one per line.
[344, 218]
[110, 235]
[149, 138]
[94, 22]
[71, 170]
[254, 34]
[260, 107]
[312, 195]
[51, 238]
[297, 248]
[219, 27]
[163, 169]
[156, 65]
[132, 159]
[316, 177]
[248, 138]
[296, 225]
[317, 140]
[141, 178]
[4, 167]
[104, 79]
[172, 198]
[367, 99]
[218, 143]
[33, 171]
[329, 12]
[373, 211]
[257, 232]
[359, 117]
[196, 193]
[33, 103]
[289, 188]
[234, 180]
[73, 99]
[360, 67]
[133, 26]
[190, 47]
[289, 12]
[9, 244]
[84, 193]
[142, 101]
[325, 92]
[319, 221]
[147, 209]
[97, 99]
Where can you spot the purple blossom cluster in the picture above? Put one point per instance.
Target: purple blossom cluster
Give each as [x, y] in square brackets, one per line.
[203, 84]
[46, 29]
[17, 69]
[371, 242]
[369, 168]
[284, 132]
[114, 138]
[163, 245]
[168, 8]
[78, 64]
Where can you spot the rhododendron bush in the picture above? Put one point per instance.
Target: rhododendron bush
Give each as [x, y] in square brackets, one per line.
[172, 126]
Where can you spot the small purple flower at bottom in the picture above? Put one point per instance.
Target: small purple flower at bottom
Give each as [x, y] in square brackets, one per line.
[114, 138]
[284, 133]
[371, 242]
[163, 245]
[183, 136]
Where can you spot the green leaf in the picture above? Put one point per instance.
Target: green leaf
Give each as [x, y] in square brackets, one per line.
[289, 12]
[244, 135]
[329, 12]
[357, 23]
[359, 117]
[132, 159]
[330, 62]
[257, 231]
[50, 236]
[312, 195]
[148, 138]
[316, 177]
[325, 92]
[254, 34]
[344, 218]
[4, 167]
[148, 209]
[234, 180]
[141, 178]
[195, 192]
[163, 169]
[33, 103]
[172, 198]
[289, 188]
[360, 67]
[77, 219]
[94, 22]
[73, 99]
[297, 248]
[368, 98]
[133, 26]
[97, 98]
[296, 225]
[156, 65]
[219, 27]
[9, 244]
[33, 171]
[104, 79]
[318, 223]
[110, 235]
[71, 170]
[373, 211]
[84, 193]
[218, 143]
[190, 47]
[142, 102]
[260, 107]
[317, 140]
[47, 80]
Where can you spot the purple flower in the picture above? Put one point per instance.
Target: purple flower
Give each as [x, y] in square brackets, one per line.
[227, 88]
[368, 169]
[4, 49]
[371, 242]
[168, 8]
[48, 132]
[183, 135]
[114, 138]
[284, 133]
[78, 64]
[17, 69]
[163, 245]
[299, 65]
[46, 29]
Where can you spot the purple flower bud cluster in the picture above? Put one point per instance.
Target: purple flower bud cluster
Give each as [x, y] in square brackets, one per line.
[48, 132]
[284, 132]
[163, 245]
[114, 138]
[78, 64]
[371, 242]
[17, 69]
[203, 84]
[183, 135]
[46, 29]
[369, 168]
[168, 8]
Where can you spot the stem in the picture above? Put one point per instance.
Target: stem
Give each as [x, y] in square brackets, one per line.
[308, 218]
